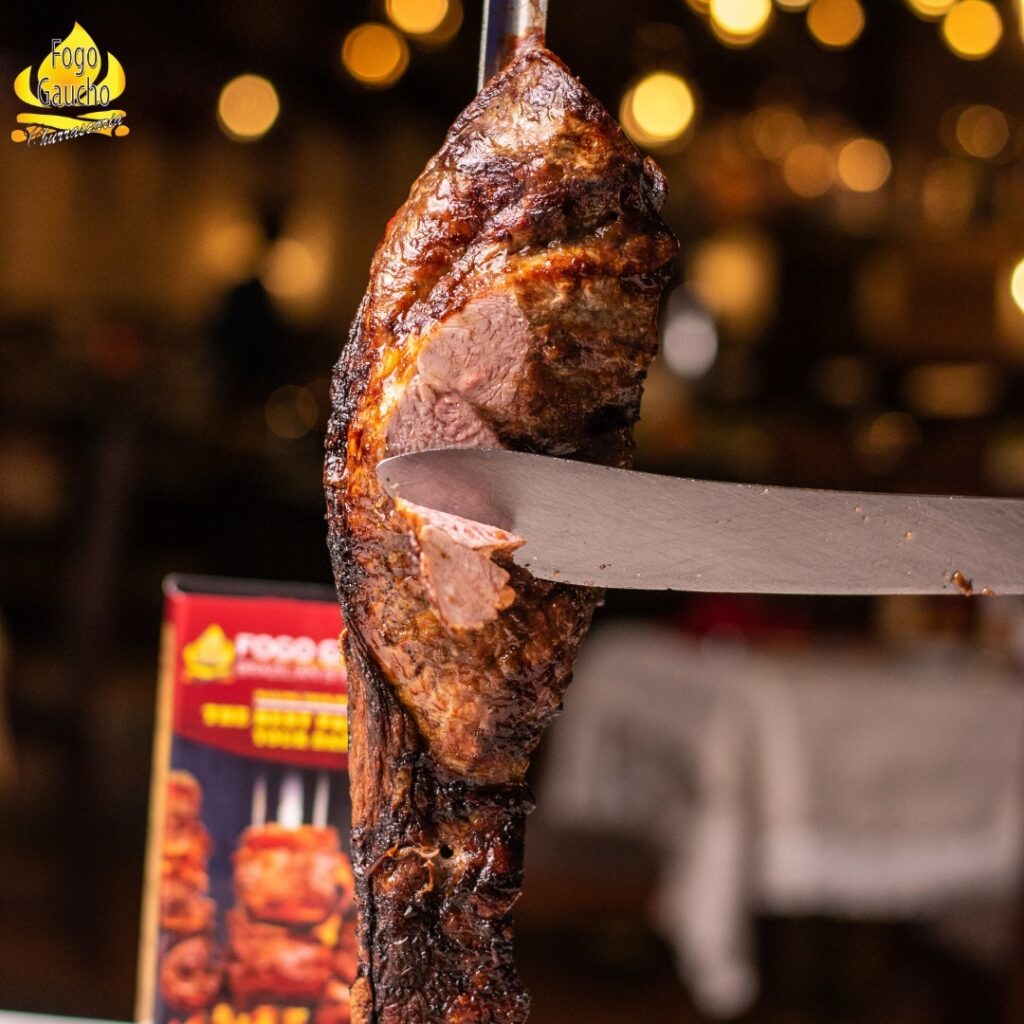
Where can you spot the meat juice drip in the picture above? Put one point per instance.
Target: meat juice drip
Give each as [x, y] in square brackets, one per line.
[962, 583]
[966, 586]
[534, 229]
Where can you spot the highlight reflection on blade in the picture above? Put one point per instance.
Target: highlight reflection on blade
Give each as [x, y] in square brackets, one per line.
[600, 526]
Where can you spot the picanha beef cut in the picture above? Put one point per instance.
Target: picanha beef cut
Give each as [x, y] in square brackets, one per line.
[512, 303]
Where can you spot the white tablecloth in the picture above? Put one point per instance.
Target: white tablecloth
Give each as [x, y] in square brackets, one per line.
[824, 781]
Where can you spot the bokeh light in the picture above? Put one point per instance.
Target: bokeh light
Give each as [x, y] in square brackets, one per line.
[835, 24]
[793, 5]
[952, 390]
[931, 10]
[982, 131]
[1004, 462]
[1017, 284]
[230, 247]
[689, 342]
[291, 412]
[844, 381]
[658, 109]
[972, 29]
[375, 54]
[247, 108]
[739, 22]
[810, 170]
[883, 441]
[292, 270]
[417, 17]
[949, 193]
[775, 130]
[734, 276]
[863, 165]
[883, 302]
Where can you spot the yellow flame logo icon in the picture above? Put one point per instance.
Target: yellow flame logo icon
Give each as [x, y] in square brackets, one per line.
[74, 74]
[210, 656]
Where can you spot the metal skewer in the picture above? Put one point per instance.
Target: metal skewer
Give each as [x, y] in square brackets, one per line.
[321, 799]
[291, 800]
[508, 23]
[259, 799]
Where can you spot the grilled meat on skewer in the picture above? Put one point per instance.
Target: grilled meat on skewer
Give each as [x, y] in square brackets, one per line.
[268, 963]
[191, 974]
[184, 799]
[186, 846]
[336, 1006]
[512, 303]
[183, 909]
[291, 876]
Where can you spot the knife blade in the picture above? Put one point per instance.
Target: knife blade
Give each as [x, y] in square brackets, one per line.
[607, 527]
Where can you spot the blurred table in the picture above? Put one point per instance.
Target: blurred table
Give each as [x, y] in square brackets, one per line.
[817, 781]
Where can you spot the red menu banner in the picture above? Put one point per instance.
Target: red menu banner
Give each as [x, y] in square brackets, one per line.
[248, 910]
[261, 677]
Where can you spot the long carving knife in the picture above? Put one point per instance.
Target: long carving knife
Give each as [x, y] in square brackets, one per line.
[606, 527]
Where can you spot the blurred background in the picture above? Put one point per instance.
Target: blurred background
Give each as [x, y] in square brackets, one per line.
[780, 810]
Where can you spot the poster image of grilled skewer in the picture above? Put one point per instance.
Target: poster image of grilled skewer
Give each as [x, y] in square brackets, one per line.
[250, 916]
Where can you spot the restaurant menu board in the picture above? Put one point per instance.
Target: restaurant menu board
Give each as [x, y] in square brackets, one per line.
[247, 912]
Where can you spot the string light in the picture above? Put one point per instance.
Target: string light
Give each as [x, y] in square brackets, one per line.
[375, 54]
[972, 29]
[835, 24]
[658, 109]
[247, 108]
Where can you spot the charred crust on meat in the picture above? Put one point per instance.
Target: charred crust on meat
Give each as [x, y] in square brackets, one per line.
[513, 298]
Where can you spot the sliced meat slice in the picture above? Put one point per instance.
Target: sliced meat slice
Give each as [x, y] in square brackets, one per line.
[467, 587]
